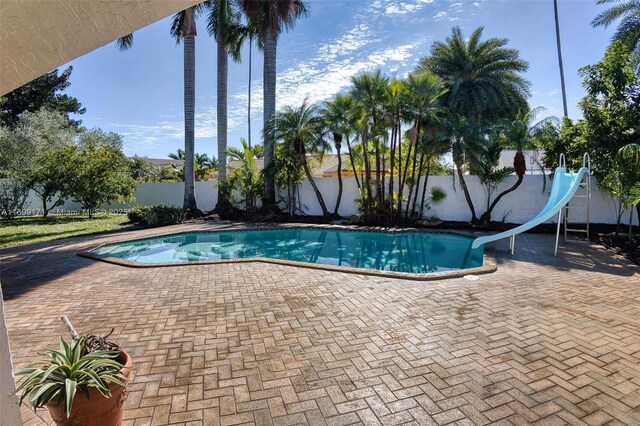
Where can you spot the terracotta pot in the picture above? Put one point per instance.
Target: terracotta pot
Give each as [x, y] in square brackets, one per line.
[97, 410]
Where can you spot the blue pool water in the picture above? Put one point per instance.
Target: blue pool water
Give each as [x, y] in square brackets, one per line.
[413, 252]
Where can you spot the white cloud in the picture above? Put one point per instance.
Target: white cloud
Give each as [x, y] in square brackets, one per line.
[440, 15]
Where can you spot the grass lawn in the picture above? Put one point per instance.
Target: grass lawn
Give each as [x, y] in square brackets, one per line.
[35, 229]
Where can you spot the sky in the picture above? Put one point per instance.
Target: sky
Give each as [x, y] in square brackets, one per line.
[139, 93]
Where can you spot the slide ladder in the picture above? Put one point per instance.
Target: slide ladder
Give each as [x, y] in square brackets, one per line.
[581, 207]
[565, 185]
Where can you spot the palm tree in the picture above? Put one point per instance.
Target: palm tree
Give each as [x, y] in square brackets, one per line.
[247, 178]
[221, 24]
[482, 76]
[370, 92]
[518, 134]
[628, 31]
[271, 17]
[183, 28]
[564, 90]
[178, 155]
[484, 84]
[336, 119]
[203, 160]
[241, 34]
[301, 129]
[422, 99]
[463, 136]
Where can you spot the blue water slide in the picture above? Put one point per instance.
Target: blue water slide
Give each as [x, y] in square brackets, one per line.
[565, 185]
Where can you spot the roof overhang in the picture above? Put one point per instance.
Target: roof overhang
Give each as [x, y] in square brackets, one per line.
[38, 36]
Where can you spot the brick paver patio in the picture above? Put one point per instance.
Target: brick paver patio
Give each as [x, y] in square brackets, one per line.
[542, 340]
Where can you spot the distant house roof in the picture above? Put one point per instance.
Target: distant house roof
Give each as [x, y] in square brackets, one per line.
[164, 162]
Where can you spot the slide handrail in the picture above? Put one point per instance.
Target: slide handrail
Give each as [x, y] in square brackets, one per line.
[564, 187]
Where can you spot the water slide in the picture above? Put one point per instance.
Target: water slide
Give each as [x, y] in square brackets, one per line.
[565, 185]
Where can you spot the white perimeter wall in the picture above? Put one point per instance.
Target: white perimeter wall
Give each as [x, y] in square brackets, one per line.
[518, 206]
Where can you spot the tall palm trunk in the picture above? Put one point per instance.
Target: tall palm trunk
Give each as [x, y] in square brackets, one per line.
[564, 90]
[223, 72]
[337, 140]
[415, 195]
[367, 165]
[392, 155]
[249, 93]
[424, 188]
[269, 81]
[312, 182]
[189, 36]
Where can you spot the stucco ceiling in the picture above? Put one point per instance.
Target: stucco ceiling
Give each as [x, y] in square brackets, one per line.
[37, 36]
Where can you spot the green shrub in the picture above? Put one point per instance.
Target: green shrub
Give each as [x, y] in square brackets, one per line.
[136, 214]
[159, 215]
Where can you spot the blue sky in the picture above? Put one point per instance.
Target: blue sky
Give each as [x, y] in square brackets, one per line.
[138, 93]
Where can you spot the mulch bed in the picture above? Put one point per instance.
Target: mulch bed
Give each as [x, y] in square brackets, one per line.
[622, 245]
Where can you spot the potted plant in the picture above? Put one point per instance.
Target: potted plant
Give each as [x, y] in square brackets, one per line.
[82, 367]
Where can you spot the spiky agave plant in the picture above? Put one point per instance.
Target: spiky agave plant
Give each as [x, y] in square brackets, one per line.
[64, 372]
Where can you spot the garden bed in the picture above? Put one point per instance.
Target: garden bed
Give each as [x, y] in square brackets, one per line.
[622, 245]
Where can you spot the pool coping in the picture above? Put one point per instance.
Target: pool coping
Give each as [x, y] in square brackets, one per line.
[489, 261]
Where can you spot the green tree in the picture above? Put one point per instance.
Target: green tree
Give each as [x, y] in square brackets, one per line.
[142, 171]
[271, 17]
[370, 91]
[178, 155]
[288, 174]
[246, 179]
[39, 158]
[43, 92]
[483, 77]
[628, 14]
[517, 134]
[610, 107]
[15, 159]
[204, 161]
[335, 115]
[50, 135]
[422, 96]
[611, 119]
[100, 172]
[485, 85]
[301, 130]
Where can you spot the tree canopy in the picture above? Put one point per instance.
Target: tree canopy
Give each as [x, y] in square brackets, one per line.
[43, 92]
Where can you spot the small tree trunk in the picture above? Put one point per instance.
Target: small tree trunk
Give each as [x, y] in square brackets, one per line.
[415, 197]
[323, 206]
[367, 167]
[353, 164]
[391, 168]
[486, 217]
[465, 190]
[339, 198]
[424, 189]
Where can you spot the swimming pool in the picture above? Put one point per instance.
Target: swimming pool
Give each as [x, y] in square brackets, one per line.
[405, 252]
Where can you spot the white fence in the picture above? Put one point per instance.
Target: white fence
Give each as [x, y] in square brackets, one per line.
[516, 207]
